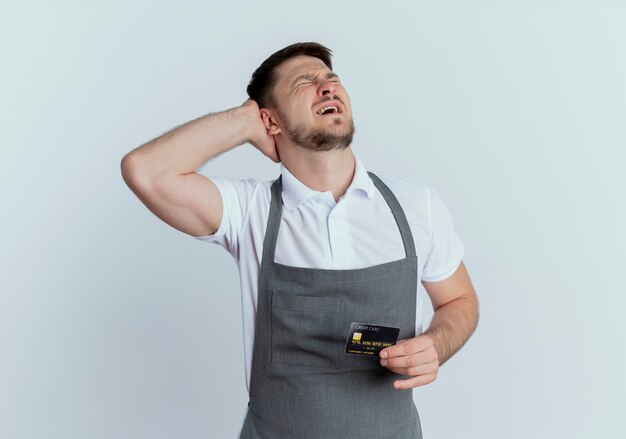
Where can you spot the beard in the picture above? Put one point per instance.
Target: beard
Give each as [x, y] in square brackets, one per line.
[318, 139]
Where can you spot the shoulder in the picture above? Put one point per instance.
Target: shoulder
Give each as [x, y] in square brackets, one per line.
[242, 190]
[245, 205]
[421, 201]
[411, 192]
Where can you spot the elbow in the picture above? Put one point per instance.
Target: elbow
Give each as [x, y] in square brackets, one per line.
[132, 170]
[127, 167]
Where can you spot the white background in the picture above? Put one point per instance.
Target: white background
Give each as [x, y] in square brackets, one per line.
[114, 325]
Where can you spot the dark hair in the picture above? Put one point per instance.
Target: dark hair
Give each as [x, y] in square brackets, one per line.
[264, 77]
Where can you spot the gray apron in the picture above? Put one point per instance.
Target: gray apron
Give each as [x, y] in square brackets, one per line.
[303, 384]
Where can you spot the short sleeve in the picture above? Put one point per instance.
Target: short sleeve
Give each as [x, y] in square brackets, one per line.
[236, 196]
[446, 250]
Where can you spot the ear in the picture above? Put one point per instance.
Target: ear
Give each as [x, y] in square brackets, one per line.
[269, 120]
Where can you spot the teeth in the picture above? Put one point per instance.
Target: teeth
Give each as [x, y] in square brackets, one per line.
[323, 109]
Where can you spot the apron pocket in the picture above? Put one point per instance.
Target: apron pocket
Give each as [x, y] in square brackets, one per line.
[306, 330]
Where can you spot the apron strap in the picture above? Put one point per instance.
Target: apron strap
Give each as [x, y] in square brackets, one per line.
[398, 214]
[273, 222]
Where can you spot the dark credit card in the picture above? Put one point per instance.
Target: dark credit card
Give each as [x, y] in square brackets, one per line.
[369, 340]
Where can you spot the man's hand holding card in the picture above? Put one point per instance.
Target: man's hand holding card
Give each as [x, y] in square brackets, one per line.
[415, 357]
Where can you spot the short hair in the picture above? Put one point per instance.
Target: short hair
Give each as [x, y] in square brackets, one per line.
[263, 79]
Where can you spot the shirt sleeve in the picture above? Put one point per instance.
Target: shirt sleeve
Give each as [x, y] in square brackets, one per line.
[236, 199]
[446, 250]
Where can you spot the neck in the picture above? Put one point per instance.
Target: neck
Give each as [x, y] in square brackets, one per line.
[321, 171]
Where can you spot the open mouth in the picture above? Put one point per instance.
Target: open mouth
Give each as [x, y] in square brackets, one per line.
[329, 109]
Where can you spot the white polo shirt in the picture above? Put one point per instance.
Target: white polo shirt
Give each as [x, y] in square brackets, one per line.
[316, 232]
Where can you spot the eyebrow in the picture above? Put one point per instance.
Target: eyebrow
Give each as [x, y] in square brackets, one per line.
[329, 75]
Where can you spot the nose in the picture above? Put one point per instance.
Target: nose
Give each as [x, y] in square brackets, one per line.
[325, 88]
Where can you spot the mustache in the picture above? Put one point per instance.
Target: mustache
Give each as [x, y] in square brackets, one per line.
[329, 98]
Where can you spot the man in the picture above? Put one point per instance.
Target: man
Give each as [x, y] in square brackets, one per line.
[324, 246]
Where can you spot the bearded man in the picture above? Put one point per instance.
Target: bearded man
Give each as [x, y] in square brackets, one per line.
[330, 256]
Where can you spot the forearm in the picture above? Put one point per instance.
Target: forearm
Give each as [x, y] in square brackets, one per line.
[185, 148]
[452, 325]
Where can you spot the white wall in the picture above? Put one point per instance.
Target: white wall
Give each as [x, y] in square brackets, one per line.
[514, 110]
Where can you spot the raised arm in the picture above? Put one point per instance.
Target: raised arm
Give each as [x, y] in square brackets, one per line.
[162, 173]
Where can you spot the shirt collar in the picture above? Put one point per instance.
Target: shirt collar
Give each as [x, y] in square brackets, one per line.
[295, 192]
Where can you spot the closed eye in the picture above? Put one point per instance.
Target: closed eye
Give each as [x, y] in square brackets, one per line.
[309, 79]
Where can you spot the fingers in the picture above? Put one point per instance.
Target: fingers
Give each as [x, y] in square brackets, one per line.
[259, 135]
[414, 382]
[421, 369]
[268, 148]
[412, 359]
[415, 357]
[407, 347]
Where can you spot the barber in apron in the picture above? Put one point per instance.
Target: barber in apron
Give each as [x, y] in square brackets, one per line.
[303, 385]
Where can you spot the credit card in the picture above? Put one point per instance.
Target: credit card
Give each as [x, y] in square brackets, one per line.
[367, 339]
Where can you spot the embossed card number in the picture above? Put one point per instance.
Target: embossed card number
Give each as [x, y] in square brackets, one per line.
[368, 340]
